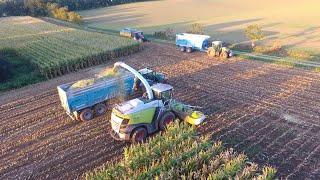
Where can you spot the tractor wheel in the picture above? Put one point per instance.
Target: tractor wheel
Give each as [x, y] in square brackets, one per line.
[189, 50]
[211, 53]
[139, 135]
[182, 49]
[166, 119]
[224, 55]
[100, 109]
[86, 114]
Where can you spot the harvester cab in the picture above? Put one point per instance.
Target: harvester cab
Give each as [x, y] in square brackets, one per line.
[163, 92]
[218, 50]
[135, 119]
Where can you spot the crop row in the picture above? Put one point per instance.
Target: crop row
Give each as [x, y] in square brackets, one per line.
[180, 154]
[57, 50]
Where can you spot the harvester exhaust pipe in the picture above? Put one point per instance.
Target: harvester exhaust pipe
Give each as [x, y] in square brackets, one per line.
[138, 75]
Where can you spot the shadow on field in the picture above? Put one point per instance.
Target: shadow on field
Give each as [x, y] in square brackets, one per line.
[248, 114]
[118, 18]
[213, 81]
[215, 27]
[217, 32]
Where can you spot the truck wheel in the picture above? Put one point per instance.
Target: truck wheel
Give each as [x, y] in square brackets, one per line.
[166, 119]
[224, 55]
[189, 50]
[140, 40]
[86, 114]
[182, 49]
[139, 135]
[100, 109]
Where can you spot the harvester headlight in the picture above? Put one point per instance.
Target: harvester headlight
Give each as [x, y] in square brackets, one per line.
[125, 122]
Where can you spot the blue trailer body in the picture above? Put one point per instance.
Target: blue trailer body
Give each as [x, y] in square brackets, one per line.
[194, 41]
[74, 100]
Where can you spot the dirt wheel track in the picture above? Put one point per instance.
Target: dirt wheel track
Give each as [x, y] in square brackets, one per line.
[271, 113]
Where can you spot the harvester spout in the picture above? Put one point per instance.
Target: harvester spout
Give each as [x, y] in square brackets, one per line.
[138, 75]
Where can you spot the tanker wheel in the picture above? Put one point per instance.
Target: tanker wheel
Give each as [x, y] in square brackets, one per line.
[189, 50]
[182, 49]
[100, 109]
[166, 119]
[224, 55]
[139, 135]
[86, 114]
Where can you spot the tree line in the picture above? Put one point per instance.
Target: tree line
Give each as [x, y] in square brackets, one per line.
[39, 7]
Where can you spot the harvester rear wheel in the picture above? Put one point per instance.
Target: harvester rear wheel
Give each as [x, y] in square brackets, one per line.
[100, 109]
[166, 119]
[86, 114]
[139, 135]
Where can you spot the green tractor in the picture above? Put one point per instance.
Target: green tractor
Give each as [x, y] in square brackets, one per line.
[135, 119]
[217, 50]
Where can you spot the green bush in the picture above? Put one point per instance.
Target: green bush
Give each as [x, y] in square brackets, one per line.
[196, 28]
[254, 33]
[167, 34]
[179, 153]
[299, 54]
[74, 17]
[63, 13]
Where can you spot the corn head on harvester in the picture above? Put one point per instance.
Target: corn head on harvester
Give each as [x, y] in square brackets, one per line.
[135, 119]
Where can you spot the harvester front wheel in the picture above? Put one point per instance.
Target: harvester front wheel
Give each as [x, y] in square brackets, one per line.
[139, 135]
[86, 114]
[100, 109]
[166, 119]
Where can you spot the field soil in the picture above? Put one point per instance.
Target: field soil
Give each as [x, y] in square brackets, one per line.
[270, 112]
[292, 23]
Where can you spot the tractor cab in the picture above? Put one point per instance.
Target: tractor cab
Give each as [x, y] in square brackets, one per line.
[218, 50]
[138, 35]
[133, 33]
[152, 75]
[162, 92]
[217, 44]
